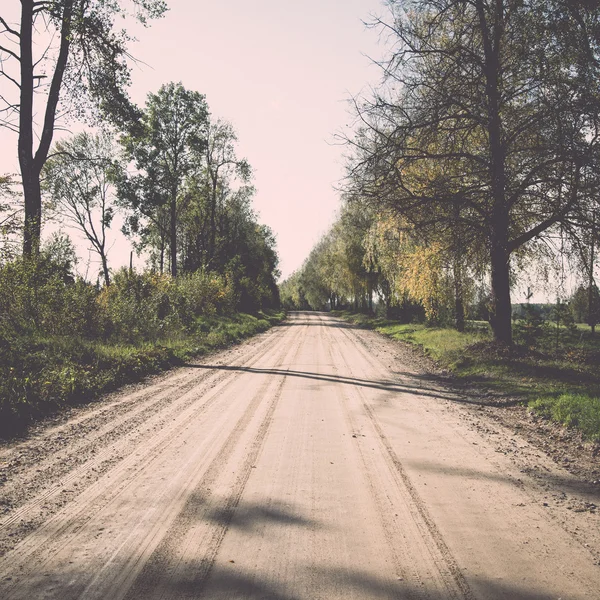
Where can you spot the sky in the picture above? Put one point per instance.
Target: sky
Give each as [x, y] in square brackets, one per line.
[282, 73]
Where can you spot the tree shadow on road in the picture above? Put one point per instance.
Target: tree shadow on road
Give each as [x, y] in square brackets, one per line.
[386, 386]
[243, 581]
[247, 516]
[419, 385]
[558, 483]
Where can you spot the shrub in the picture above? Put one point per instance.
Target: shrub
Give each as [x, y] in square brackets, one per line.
[41, 297]
[138, 306]
[147, 306]
[200, 294]
[574, 410]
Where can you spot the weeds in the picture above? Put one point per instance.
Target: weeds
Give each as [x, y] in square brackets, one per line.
[573, 410]
[39, 376]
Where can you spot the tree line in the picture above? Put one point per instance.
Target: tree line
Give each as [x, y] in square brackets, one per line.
[476, 156]
[170, 168]
[169, 171]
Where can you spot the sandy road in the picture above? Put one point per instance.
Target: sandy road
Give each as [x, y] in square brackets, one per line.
[305, 464]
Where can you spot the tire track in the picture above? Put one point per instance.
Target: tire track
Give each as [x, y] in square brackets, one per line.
[98, 495]
[454, 581]
[151, 582]
[123, 413]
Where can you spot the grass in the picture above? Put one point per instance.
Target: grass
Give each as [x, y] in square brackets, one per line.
[40, 376]
[573, 410]
[562, 384]
[440, 343]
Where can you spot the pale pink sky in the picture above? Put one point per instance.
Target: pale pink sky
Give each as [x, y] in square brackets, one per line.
[281, 72]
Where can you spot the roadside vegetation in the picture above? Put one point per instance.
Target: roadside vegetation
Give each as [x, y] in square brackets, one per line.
[168, 172]
[64, 341]
[472, 171]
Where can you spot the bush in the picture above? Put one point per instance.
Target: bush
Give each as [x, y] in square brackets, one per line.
[573, 410]
[148, 306]
[202, 293]
[138, 306]
[41, 297]
[63, 340]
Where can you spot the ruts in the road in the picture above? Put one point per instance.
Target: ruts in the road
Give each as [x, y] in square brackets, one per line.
[298, 466]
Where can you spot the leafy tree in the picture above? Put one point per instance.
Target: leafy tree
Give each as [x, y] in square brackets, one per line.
[222, 165]
[292, 293]
[165, 149]
[484, 120]
[217, 202]
[61, 49]
[584, 310]
[10, 219]
[78, 181]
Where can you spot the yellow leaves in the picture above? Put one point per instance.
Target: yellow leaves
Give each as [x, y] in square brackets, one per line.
[414, 270]
[422, 277]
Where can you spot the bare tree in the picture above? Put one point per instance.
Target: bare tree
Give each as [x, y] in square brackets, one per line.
[78, 180]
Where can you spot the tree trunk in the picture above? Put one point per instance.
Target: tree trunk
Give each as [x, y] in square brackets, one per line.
[591, 307]
[105, 268]
[173, 235]
[30, 164]
[33, 210]
[213, 219]
[492, 35]
[500, 317]
[30, 176]
[459, 302]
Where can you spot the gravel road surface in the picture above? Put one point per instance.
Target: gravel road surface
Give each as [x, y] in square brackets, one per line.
[315, 461]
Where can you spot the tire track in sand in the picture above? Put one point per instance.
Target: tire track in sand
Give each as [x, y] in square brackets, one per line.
[59, 531]
[442, 561]
[183, 561]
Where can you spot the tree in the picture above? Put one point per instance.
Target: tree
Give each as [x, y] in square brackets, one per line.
[59, 50]
[585, 304]
[486, 118]
[221, 165]
[78, 180]
[292, 292]
[10, 219]
[165, 149]
[218, 198]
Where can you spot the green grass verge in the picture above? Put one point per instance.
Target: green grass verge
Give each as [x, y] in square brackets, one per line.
[573, 410]
[38, 377]
[561, 384]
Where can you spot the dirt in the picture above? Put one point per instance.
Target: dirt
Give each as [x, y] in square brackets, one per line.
[313, 461]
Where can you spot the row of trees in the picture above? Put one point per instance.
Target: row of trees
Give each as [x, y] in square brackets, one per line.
[184, 194]
[371, 261]
[482, 143]
[367, 258]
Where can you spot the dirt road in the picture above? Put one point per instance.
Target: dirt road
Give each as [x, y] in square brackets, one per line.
[312, 462]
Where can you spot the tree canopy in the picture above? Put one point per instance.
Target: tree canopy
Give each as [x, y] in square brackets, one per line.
[483, 126]
[65, 53]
